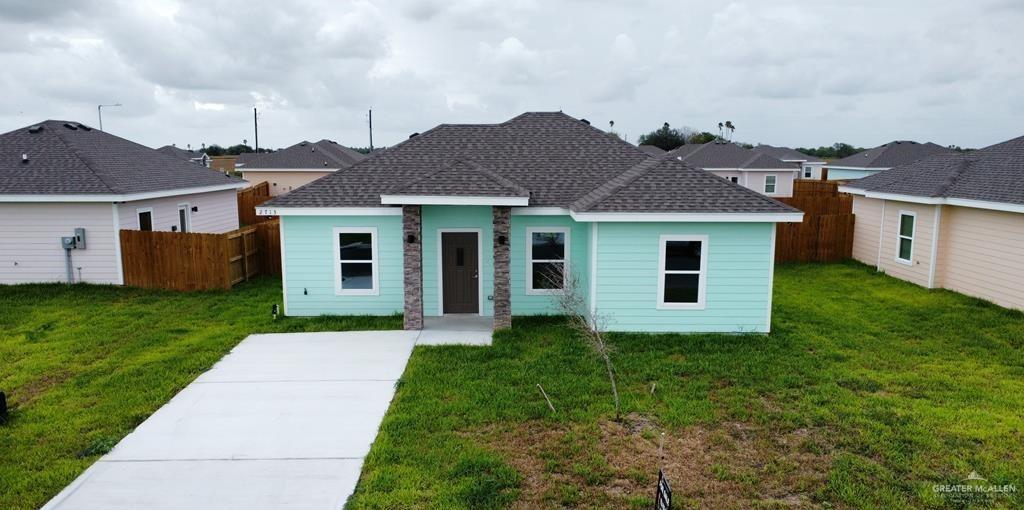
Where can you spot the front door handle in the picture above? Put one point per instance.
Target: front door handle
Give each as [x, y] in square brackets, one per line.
[476, 274]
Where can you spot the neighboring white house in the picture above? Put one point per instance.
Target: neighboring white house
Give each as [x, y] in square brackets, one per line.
[66, 180]
[758, 171]
[881, 158]
[298, 165]
[810, 166]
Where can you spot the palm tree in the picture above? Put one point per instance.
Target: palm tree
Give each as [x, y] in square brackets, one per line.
[720, 125]
[731, 128]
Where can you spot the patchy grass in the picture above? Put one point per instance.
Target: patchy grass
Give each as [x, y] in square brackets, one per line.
[868, 391]
[83, 365]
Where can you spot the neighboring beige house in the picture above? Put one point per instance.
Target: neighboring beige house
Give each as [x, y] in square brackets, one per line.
[66, 180]
[298, 165]
[758, 171]
[952, 220]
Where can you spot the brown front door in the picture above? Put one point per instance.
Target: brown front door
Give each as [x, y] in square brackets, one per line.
[459, 272]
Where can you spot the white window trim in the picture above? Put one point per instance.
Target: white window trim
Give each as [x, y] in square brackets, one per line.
[702, 285]
[188, 217]
[374, 261]
[808, 172]
[479, 267]
[138, 221]
[530, 291]
[912, 237]
[775, 184]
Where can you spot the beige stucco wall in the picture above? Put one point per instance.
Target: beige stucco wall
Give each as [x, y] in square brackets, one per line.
[870, 212]
[981, 254]
[283, 182]
[865, 230]
[921, 257]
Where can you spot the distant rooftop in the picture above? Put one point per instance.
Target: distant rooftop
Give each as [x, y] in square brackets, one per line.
[57, 157]
[726, 155]
[900, 152]
[325, 154]
[993, 174]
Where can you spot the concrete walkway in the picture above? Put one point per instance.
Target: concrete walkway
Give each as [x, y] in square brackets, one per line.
[283, 421]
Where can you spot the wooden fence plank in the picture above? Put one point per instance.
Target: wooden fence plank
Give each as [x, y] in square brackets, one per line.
[826, 234]
[193, 261]
[248, 199]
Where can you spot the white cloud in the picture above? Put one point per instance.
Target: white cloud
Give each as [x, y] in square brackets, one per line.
[789, 72]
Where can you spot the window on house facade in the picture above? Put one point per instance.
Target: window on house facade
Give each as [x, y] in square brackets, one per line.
[734, 179]
[355, 255]
[145, 219]
[905, 237]
[807, 172]
[682, 272]
[547, 259]
[769, 183]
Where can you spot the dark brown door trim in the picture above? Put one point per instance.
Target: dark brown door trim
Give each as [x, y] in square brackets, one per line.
[460, 271]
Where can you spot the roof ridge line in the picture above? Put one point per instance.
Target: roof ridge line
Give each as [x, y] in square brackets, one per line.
[609, 187]
[948, 182]
[73, 149]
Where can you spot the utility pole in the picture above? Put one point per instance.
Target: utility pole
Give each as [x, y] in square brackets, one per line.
[99, 112]
[371, 129]
[256, 127]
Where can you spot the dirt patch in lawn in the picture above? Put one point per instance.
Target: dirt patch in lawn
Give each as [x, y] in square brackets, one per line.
[615, 464]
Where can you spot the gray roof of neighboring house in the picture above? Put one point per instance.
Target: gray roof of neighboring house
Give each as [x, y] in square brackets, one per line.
[786, 154]
[726, 155]
[324, 154]
[994, 174]
[652, 150]
[72, 158]
[180, 153]
[655, 186]
[553, 158]
[891, 154]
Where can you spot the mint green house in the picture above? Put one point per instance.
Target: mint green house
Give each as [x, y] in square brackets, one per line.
[497, 220]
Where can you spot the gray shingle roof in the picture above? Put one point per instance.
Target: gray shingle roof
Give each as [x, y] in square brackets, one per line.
[652, 150]
[178, 152]
[554, 157]
[325, 154]
[72, 158]
[994, 174]
[786, 154]
[891, 154]
[665, 184]
[461, 178]
[726, 155]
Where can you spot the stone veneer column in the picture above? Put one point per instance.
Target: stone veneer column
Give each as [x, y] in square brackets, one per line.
[412, 257]
[502, 285]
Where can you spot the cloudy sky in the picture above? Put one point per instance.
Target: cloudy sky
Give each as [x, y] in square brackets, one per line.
[804, 73]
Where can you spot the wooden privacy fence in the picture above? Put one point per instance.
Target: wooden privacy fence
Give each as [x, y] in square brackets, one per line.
[248, 199]
[826, 234]
[193, 261]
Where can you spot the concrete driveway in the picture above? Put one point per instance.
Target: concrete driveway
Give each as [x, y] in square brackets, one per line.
[283, 421]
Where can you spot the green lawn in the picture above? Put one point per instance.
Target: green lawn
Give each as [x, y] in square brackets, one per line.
[83, 365]
[868, 391]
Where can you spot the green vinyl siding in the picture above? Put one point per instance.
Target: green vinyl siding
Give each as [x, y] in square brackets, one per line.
[579, 262]
[437, 217]
[309, 266]
[738, 277]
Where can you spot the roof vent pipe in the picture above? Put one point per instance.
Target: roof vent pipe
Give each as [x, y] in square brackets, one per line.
[414, 134]
[585, 121]
[24, 158]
